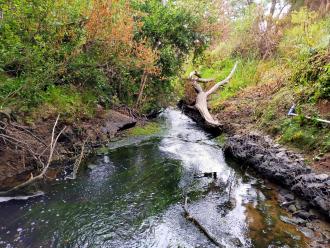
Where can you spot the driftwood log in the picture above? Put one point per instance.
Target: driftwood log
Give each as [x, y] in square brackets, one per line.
[202, 96]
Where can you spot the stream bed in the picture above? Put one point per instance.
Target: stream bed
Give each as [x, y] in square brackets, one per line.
[132, 196]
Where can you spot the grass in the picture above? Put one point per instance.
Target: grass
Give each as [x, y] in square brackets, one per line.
[150, 128]
[221, 139]
[244, 76]
[305, 135]
[67, 100]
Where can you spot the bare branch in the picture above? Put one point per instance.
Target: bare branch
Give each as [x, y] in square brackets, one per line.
[223, 82]
[197, 86]
[52, 147]
[202, 96]
[192, 74]
[78, 161]
[205, 80]
[199, 79]
[198, 224]
[29, 132]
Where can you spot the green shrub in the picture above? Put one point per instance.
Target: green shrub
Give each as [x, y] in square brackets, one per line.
[48, 47]
[314, 76]
[302, 135]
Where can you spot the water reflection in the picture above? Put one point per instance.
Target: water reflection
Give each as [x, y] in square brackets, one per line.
[133, 198]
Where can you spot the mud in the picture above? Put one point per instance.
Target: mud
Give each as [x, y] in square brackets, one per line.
[17, 165]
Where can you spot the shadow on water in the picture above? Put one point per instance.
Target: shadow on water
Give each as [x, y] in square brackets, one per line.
[132, 197]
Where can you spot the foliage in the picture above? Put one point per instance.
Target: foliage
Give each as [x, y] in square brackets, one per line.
[105, 47]
[282, 60]
[175, 32]
[307, 35]
[38, 39]
[305, 134]
[314, 77]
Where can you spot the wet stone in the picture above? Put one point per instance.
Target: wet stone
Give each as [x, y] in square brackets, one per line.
[307, 232]
[322, 177]
[286, 204]
[91, 166]
[305, 215]
[300, 204]
[289, 197]
[293, 221]
[282, 167]
[292, 208]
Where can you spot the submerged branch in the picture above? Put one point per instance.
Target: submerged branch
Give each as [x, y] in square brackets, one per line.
[198, 224]
[78, 161]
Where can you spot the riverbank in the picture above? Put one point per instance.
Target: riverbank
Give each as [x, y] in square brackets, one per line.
[271, 160]
[131, 194]
[301, 190]
[18, 165]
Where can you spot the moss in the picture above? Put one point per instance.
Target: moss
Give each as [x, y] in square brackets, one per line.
[221, 139]
[149, 129]
[102, 150]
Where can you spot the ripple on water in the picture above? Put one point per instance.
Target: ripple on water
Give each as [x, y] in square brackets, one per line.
[132, 197]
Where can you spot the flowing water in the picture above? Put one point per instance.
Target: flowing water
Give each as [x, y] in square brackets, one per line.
[132, 197]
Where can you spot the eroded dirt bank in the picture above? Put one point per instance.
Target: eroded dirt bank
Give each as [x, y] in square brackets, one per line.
[272, 161]
[281, 166]
[21, 143]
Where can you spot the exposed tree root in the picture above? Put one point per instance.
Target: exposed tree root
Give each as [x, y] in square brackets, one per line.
[38, 157]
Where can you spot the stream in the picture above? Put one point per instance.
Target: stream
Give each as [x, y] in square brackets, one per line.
[132, 196]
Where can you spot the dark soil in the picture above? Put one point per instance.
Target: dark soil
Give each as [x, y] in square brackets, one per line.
[16, 162]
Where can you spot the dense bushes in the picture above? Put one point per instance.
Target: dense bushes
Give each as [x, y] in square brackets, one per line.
[314, 75]
[117, 51]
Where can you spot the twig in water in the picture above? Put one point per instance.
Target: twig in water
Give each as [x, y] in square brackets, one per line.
[199, 225]
[78, 161]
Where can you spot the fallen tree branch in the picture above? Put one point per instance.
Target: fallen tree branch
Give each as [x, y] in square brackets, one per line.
[198, 224]
[29, 132]
[45, 166]
[78, 161]
[202, 96]
[223, 82]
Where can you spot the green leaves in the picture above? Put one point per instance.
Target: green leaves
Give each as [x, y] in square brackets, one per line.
[46, 47]
[173, 31]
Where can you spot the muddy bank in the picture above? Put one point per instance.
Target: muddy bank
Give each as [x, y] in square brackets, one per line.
[272, 161]
[24, 142]
[281, 166]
